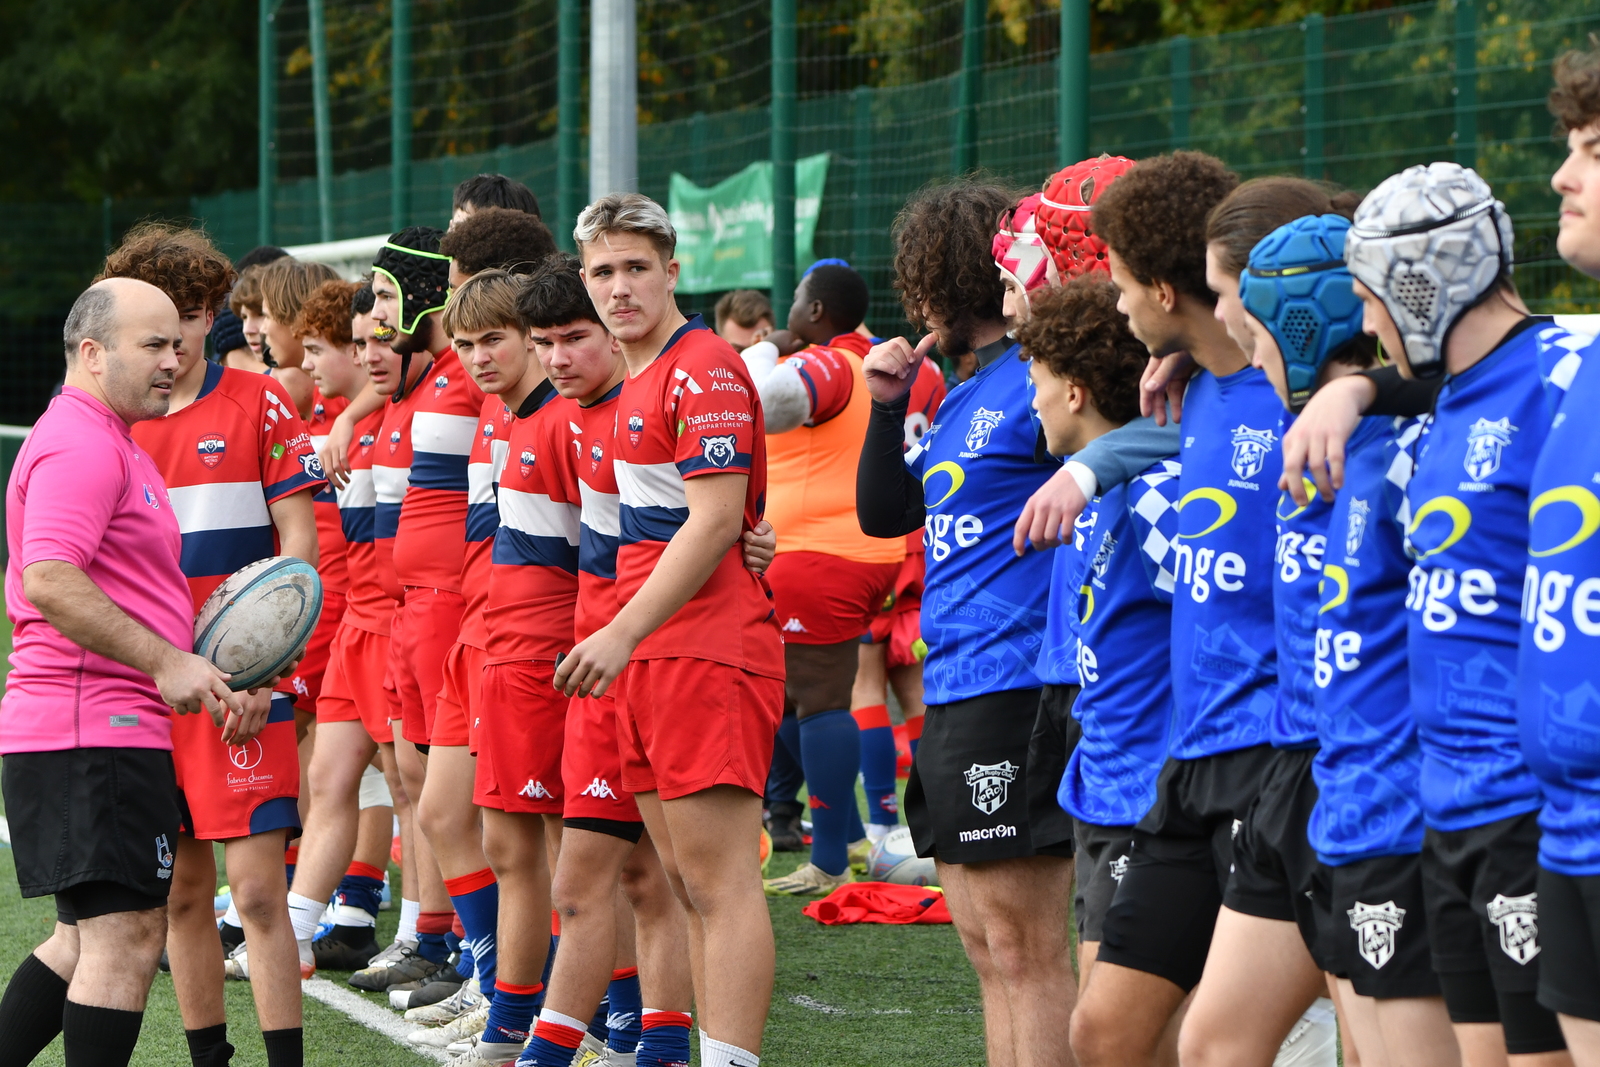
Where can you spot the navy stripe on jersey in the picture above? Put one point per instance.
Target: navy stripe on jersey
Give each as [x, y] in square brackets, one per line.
[359, 525]
[650, 524]
[482, 521]
[516, 548]
[356, 502]
[295, 483]
[714, 459]
[208, 553]
[440, 447]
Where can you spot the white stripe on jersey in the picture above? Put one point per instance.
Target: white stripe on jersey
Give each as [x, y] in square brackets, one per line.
[360, 492]
[536, 515]
[441, 434]
[602, 512]
[650, 485]
[480, 483]
[389, 483]
[219, 506]
[499, 452]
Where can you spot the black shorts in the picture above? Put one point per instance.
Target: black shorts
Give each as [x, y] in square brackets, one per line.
[1055, 735]
[1569, 966]
[1160, 920]
[86, 815]
[1378, 934]
[1274, 864]
[1103, 853]
[1480, 886]
[967, 799]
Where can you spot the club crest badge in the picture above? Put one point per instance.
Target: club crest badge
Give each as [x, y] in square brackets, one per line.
[525, 461]
[1356, 529]
[1517, 919]
[991, 784]
[719, 450]
[1485, 441]
[312, 466]
[394, 441]
[1376, 926]
[366, 442]
[1250, 450]
[597, 452]
[211, 448]
[635, 427]
[440, 384]
[983, 426]
[1102, 557]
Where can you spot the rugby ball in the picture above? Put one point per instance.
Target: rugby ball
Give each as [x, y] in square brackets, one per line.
[254, 622]
[894, 859]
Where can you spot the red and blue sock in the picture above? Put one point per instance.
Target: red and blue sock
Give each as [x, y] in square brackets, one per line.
[663, 1039]
[555, 1041]
[433, 927]
[476, 897]
[914, 733]
[622, 1020]
[878, 764]
[291, 856]
[830, 749]
[361, 887]
[511, 1012]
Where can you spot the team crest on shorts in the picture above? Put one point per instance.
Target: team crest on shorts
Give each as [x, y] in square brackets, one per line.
[211, 448]
[1119, 867]
[1485, 441]
[635, 427]
[1250, 448]
[164, 857]
[991, 784]
[1376, 926]
[1517, 919]
[719, 449]
[984, 423]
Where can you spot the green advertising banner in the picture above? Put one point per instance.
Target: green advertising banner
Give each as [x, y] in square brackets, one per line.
[725, 232]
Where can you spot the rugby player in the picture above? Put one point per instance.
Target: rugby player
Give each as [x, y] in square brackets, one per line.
[285, 282]
[490, 191]
[241, 475]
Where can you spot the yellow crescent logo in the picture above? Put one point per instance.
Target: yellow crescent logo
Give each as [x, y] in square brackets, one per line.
[1460, 521]
[1580, 498]
[1340, 577]
[957, 476]
[1311, 494]
[1226, 508]
[1088, 603]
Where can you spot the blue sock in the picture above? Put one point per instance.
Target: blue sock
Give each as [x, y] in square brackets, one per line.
[786, 776]
[359, 891]
[433, 947]
[476, 898]
[623, 1020]
[878, 764]
[664, 1040]
[511, 1014]
[555, 1042]
[597, 1024]
[830, 748]
[550, 960]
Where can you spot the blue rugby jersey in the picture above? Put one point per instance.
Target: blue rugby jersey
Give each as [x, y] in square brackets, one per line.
[1468, 539]
[1124, 651]
[983, 607]
[1058, 659]
[1297, 558]
[1224, 649]
[1368, 768]
[1558, 703]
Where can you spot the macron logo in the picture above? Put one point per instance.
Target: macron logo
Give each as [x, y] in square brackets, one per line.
[534, 791]
[599, 789]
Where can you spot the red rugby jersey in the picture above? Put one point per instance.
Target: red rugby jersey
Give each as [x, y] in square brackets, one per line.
[483, 516]
[430, 543]
[331, 562]
[694, 412]
[236, 449]
[391, 479]
[369, 604]
[533, 584]
[593, 432]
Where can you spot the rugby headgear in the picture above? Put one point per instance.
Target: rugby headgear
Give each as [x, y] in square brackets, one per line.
[1018, 249]
[1064, 207]
[1430, 242]
[419, 273]
[1296, 285]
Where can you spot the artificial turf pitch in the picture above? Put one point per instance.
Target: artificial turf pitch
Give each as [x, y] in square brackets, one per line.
[846, 995]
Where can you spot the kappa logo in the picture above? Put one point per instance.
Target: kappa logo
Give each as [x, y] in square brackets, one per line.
[1518, 921]
[1485, 442]
[1250, 450]
[164, 857]
[635, 427]
[794, 626]
[600, 789]
[1356, 531]
[1376, 926]
[984, 423]
[211, 449]
[300, 686]
[991, 784]
[312, 466]
[620, 1020]
[247, 756]
[1119, 867]
[534, 790]
[719, 450]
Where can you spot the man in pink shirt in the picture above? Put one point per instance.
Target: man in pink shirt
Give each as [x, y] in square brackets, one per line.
[103, 625]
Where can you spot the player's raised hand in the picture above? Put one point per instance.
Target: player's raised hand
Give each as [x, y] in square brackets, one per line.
[891, 368]
[251, 719]
[190, 684]
[1162, 384]
[1047, 517]
[1314, 446]
[760, 545]
[594, 663]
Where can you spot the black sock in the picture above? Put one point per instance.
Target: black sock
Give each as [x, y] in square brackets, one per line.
[30, 1013]
[285, 1048]
[99, 1037]
[353, 935]
[208, 1046]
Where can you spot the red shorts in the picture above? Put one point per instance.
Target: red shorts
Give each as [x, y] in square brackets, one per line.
[305, 686]
[352, 689]
[900, 623]
[823, 600]
[685, 725]
[591, 764]
[458, 702]
[425, 627]
[521, 727]
[228, 791]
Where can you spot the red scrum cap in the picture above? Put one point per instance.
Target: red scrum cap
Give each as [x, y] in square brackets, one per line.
[1063, 218]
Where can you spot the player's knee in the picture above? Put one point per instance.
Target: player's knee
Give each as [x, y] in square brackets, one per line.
[1096, 1037]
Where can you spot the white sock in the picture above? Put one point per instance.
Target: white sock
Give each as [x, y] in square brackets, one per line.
[305, 914]
[231, 916]
[877, 832]
[409, 910]
[714, 1053]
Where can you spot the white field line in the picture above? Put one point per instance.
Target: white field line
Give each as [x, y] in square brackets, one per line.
[369, 1015]
[5, 831]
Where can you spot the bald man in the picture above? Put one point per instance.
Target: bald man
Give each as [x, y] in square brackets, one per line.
[103, 628]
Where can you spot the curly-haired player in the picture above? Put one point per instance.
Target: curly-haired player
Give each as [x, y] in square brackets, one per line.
[495, 237]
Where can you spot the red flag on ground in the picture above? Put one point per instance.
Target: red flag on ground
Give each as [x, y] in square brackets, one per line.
[879, 902]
